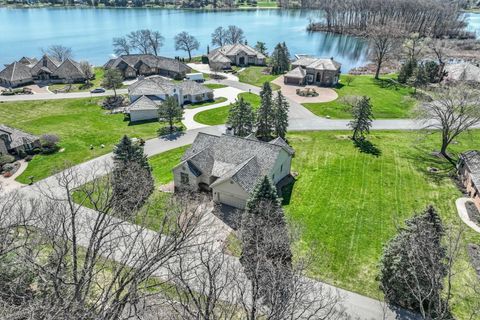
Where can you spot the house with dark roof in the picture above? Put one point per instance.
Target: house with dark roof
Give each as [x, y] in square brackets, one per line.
[14, 141]
[230, 166]
[308, 70]
[147, 95]
[134, 65]
[238, 54]
[469, 172]
[28, 70]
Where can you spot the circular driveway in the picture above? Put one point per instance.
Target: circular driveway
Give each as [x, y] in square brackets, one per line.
[289, 91]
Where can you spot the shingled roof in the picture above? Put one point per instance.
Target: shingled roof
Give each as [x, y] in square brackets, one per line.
[16, 72]
[298, 73]
[472, 161]
[158, 85]
[150, 60]
[316, 63]
[69, 69]
[19, 138]
[142, 103]
[231, 157]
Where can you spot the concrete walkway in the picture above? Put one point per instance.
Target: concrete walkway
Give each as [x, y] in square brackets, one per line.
[462, 212]
[9, 184]
[188, 114]
[205, 68]
[290, 91]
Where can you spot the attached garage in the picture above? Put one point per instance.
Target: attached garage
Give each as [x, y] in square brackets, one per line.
[231, 200]
[142, 109]
[295, 76]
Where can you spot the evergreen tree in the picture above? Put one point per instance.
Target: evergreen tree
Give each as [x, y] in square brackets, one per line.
[362, 119]
[413, 266]
[406, 71]
[419, 78]
[261, 47]
[171, 112]
[280, 115]
[265, 114]
[280, 59]
[432, 70]
[266, 256]
[241, 117]
[132, 180]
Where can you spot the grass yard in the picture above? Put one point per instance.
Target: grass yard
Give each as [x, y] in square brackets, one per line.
[253, 75]
[163, 163]
[219, 115]
[78, 87]
[78, 122]
[388, 101]
[205, 103]
[348, 202]
[215, 86]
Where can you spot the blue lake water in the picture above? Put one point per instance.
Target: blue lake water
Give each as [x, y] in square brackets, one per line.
[89, 31]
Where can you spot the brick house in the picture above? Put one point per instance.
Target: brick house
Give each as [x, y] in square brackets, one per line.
[307, 70]
[469, 172]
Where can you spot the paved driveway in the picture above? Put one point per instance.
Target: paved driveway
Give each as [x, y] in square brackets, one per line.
[289, 91]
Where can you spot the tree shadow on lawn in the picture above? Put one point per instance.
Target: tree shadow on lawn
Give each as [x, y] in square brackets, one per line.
[367, 147]
[136, 123]
[387, 83]
[432, 165]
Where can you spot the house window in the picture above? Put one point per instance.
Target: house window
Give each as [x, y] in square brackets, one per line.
[273, 176]
[184, 178]
[281, 168]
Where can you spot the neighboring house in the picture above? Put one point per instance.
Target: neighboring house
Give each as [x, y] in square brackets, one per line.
[28, 70]
[469, 171]
[230, 166]
[14, 141]
[134, 65]
[462, 72]
[308, 70]
[147, 95]
[235, 54]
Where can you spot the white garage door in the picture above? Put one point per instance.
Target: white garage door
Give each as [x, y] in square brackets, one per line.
[141, 115]
[232, 201]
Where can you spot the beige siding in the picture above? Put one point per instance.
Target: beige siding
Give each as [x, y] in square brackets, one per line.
[142, 115]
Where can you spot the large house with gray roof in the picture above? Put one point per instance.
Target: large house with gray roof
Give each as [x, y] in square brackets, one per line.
[135, 65]
[14, 141]
[147, 95]
[238, 54]
[29, 70]
[469, 172]
[230, 166]
[308, 70]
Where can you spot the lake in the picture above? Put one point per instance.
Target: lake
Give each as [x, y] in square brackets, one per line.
[90, 31]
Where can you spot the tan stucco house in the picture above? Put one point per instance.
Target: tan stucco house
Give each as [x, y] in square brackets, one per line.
[230, 166]
[308, 70]
[238, 54]
[14, 141]
[469, 172]
[147, 95]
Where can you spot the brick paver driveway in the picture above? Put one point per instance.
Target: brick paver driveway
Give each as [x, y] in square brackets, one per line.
[324, 94]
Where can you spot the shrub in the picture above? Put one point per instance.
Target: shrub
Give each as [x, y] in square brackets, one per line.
[6, 158]
[49, 140]
[166, 130]
[204, 59]
[9, 167]
[28, 158]
[7, 174]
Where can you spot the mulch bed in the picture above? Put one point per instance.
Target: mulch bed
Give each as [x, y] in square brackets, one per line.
[474, 253]
[472, 212]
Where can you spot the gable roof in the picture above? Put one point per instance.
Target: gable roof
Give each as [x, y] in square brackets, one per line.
[47, 64]
[164, 63]
[472, 161]
[231, 157]
[463, 72]
[316, 63]
[297, 72]
[69, 69]
[28, 61]
[16, 71]
[234, 49]
[142, 103]
[19, 138]
[218, 57]
[158, 85]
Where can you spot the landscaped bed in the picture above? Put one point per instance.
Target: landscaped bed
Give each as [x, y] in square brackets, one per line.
[389, 99]
[349, 203]
[78, 87]
[206, 103]
[219, 115]
[79, 123]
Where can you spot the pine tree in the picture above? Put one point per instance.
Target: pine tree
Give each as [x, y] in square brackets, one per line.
[413, 266]
[171, 112]
[241, 117]
[266, 256]
[406, 71]
[362, 119]
[264, 122]
[280, 115]
[132, 180]
[280, 59]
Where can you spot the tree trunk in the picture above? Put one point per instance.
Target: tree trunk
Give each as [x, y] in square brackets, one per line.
[377, 72]
[444, 152]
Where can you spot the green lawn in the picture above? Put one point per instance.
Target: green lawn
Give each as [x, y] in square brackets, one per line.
[388, 101]
[253, 75]
[219, 115]
[77, 87]
[205, 103]
[163, 163]
[349, 202]
[215, 85]
[78, 122]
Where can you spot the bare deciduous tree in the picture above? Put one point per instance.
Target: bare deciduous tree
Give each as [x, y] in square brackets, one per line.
[121, 46]
[454, 110]
[384, 41]
[186, 42]
[87, 70]
[59, 52]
